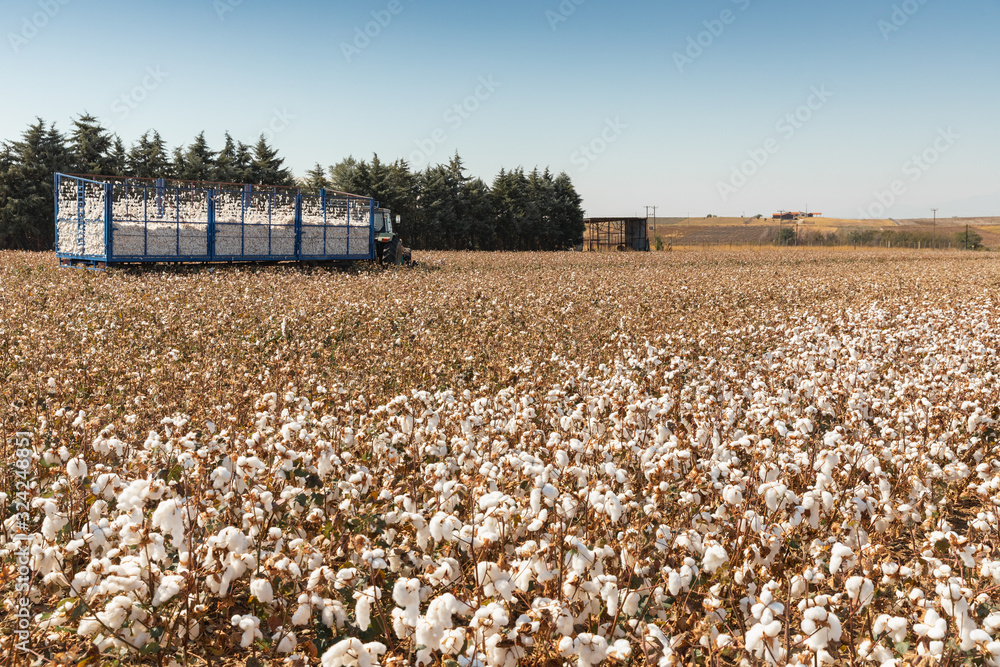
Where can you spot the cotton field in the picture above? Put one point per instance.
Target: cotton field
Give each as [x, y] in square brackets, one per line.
[753, 458]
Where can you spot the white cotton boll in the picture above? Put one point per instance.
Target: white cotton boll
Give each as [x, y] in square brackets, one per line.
[933, 626]
[562, 459]
[837, 556]
[302, 615]
[363, 607]
[169, 587]
[250, 625]
[674, 583]
[262, 590]
[613, 507]
[76, 468]
[715, 557]
[287, 643]
[89, 626]
[490, 500]
[980, 637]
[406, 594]
[621, 650]
[893, 626]
[169, 518]
[220, 477]
[732, 495]
[860, 589]
[820, 627]
[631, 605]
[992, 623]
[351, 652]
[116, 612]
[591, 649]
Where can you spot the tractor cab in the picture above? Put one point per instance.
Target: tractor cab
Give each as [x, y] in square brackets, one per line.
[388, 246]
[383, 226]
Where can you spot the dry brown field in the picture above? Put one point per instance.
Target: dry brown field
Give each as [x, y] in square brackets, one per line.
[699, 457]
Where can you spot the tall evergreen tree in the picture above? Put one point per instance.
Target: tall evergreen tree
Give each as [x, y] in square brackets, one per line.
[147, 158]
[316, 178]
[26, 186]
[266, 168]
[119, 158]
[225, 163]
[342, 174]
[243, 167]
[568, 212]
[511, 210]
[91, 145]
[401, 197]
[479, 213]
[197, 162]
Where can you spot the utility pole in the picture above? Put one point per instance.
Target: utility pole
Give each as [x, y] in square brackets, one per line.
[654, 219]
[935, 218]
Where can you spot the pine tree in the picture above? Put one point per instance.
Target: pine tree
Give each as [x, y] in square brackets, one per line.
[342, 176]
[266, 168]
[243, 166]
[568, 212]
[401, 197]
[27, 168]
[479, 213]
[91, 145]
[119, 158]
[147, 158]
[177, 162]
[197, 163]
[225, 163]
[316, 178]
[503, 200]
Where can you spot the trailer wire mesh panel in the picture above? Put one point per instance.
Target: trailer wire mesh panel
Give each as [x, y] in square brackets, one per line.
[107, 220]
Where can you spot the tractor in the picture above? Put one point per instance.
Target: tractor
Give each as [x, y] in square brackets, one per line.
[389, 248]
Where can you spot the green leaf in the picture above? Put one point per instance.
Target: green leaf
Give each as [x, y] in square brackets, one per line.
[152, 648]
[902, 648]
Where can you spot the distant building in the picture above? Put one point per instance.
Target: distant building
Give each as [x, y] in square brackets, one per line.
[616, 234]
[795, 215]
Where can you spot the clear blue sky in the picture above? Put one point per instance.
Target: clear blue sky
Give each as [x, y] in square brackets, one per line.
[693, 129]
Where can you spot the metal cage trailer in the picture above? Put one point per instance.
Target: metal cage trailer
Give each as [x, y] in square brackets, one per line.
[104, 221]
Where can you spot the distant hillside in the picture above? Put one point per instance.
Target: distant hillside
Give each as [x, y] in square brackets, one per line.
[822, 231]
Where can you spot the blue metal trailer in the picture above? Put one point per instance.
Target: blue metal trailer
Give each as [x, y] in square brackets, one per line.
[104, 221]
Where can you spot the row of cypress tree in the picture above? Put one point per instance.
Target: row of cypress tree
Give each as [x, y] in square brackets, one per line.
[440, 207]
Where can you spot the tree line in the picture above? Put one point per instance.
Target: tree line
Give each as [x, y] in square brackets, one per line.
[441, 207]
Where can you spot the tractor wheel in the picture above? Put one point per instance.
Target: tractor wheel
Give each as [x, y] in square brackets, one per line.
[392, 253]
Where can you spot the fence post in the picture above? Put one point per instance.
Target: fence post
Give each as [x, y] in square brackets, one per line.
[109, 238]
[322, 201]
[371, 229]
[57, 180]
[298, 227]
[210, 240]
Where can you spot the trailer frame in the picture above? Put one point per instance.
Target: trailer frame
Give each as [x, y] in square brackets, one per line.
[92, 212]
